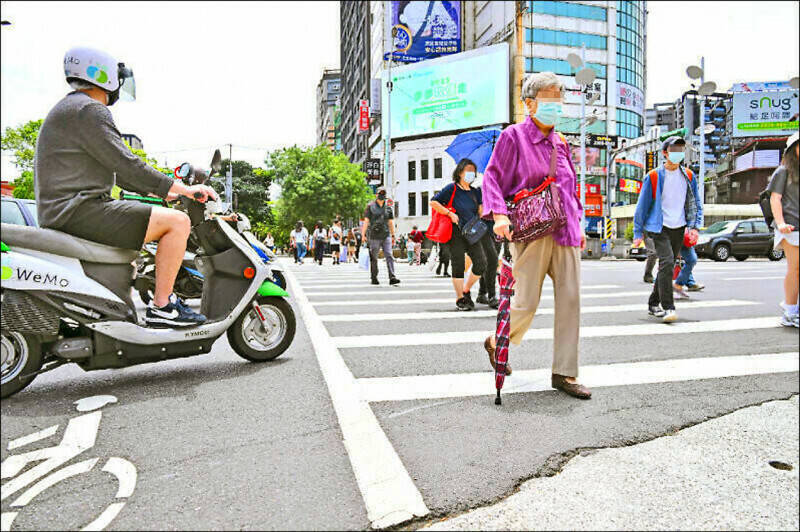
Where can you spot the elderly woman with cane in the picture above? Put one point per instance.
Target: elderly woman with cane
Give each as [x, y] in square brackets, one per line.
[525, 155]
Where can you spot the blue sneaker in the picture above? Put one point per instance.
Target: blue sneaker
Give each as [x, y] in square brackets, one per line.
[174, 314]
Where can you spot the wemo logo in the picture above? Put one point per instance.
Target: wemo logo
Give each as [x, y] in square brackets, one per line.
[771, 103]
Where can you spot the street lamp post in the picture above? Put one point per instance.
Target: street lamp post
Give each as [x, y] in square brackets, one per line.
[584, 77]
[706, 88]
[389, 34]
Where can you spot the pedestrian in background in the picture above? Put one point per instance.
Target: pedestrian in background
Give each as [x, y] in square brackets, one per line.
[351, 245]
[379, 221]
[417, 237]
[467, 203]
[269, 242]
[784, 186]
[299, 238]
[410, 251]
[358, 238]
[668, 203]
[652, 257]
[444, 259]
[521, 160]
[335, 236]
[318, 242]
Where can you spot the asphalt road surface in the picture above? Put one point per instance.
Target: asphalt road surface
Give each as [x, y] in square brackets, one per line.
[382, 411]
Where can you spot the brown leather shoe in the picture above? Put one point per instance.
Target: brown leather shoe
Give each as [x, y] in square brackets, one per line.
[559, 382]
[487, 344]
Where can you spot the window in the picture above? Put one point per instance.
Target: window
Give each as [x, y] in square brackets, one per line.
[423, 167]
[565, 38]
[425, 204]
[437, 168]
[745, 227]
[629, 124]
[761, 227]
[412, 204]
[558, 66]
[11, 213]
[412, 170]
[564, 9]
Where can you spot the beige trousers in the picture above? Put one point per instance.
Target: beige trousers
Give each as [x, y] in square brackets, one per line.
[532, 261]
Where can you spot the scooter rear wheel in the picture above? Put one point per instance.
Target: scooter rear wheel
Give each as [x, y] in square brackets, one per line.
[249, 339]
[21, 356]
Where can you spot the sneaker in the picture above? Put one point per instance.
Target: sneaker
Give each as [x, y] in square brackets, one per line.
[375, 281]
[696, 287]
[468, 299]
[482, 299]
[790, 320]
[656, 311]
[173, 314]
[648, 278]
[680, 291]
[669, 316]
[461, 304]
[394, 280]
[493, 303]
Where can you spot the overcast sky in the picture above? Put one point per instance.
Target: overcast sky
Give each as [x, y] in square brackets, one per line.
[213, 73]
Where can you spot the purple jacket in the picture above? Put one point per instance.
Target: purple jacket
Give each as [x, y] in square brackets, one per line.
[521, 159]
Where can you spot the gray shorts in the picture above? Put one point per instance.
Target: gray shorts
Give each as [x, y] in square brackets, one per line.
[117, 223]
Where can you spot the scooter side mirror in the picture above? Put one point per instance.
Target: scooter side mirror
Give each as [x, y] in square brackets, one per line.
[183, 171]
[216, 162]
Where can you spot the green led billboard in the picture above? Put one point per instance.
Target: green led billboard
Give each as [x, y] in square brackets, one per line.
[459, 91]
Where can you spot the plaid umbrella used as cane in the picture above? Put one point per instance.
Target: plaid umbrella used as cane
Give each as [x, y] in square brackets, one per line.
[506, 282]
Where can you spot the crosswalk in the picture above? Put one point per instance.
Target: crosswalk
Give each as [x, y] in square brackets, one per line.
[721, 333]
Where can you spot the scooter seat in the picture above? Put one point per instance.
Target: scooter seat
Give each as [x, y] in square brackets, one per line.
[58, 243]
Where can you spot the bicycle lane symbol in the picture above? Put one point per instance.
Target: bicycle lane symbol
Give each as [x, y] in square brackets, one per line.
[79, 436]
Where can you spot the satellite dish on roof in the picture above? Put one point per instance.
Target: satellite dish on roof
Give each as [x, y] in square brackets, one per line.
[694, 72]
[585, 76]
[794, 83]
[707, 88]
[707, 129]
[575, 61]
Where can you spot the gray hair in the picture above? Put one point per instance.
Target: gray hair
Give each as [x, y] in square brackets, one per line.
[79, 84]
[541, 80]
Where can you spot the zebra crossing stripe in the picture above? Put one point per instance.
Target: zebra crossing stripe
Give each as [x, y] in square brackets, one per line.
[444, 315]
[462, 337]
[393, 299]
[597, 376]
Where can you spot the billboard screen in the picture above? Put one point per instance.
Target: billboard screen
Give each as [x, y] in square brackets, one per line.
[425, 30]
[445, 94]
[761, 114]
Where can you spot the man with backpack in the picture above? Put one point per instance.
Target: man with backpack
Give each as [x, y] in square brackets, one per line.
[668, 204]
[378, 219]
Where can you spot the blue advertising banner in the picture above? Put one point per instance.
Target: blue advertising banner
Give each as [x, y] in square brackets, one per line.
[425, 30]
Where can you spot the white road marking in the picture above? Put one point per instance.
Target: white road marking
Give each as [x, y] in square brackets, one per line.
[444, 315]
[753, 278]
[105, 518]
[93, 403]
[30, 438]
[125, 473]
[53, 479]
[394, 300]
[461, 337]
[598, 376]
[389, 494]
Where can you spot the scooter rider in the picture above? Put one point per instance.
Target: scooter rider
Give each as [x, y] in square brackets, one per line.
[80, 156]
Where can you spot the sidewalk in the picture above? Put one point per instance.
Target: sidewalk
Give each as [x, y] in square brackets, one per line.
[715, 475]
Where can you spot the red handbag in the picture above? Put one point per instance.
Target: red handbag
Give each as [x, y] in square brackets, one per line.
[441, 227]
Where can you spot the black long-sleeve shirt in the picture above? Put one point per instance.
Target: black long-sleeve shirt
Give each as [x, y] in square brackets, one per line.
[78, 151]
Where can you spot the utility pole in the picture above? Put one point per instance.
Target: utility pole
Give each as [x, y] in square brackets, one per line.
[702, 169]
[583, 148]
[229, 178]
[387, 110]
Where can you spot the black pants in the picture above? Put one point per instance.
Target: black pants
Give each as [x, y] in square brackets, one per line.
[319, 249]
[490, 248]
[335, 250]
[668, 244]
[294, 252]
[444, 258]
[458, 246]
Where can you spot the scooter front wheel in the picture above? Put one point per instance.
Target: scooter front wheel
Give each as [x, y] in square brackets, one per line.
[253, 341]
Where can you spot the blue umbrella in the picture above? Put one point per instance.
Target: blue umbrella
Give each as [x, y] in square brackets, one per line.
[474, 145]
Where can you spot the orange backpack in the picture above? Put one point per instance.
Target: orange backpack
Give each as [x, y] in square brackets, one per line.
[653, 175]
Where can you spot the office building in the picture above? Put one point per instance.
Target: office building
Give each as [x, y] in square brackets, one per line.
[328, 90]
[355, 75]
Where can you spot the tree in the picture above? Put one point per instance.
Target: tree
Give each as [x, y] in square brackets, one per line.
[251, 186]
[23, 186]
[21, 140]
[316, 184]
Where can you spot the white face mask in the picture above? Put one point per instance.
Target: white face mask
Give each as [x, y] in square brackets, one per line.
[469, 177]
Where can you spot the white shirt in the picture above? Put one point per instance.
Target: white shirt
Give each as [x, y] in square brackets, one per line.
[673, 198]
[269, 241]
[336, 235]
[300, 237]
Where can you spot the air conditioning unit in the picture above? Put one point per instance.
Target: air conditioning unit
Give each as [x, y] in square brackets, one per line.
[734, 184]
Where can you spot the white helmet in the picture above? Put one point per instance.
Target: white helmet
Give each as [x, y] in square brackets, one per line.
[102, 70]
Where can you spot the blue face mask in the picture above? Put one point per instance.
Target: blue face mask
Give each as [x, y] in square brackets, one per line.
[676, 157]
[548, 112]
[469, 177]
